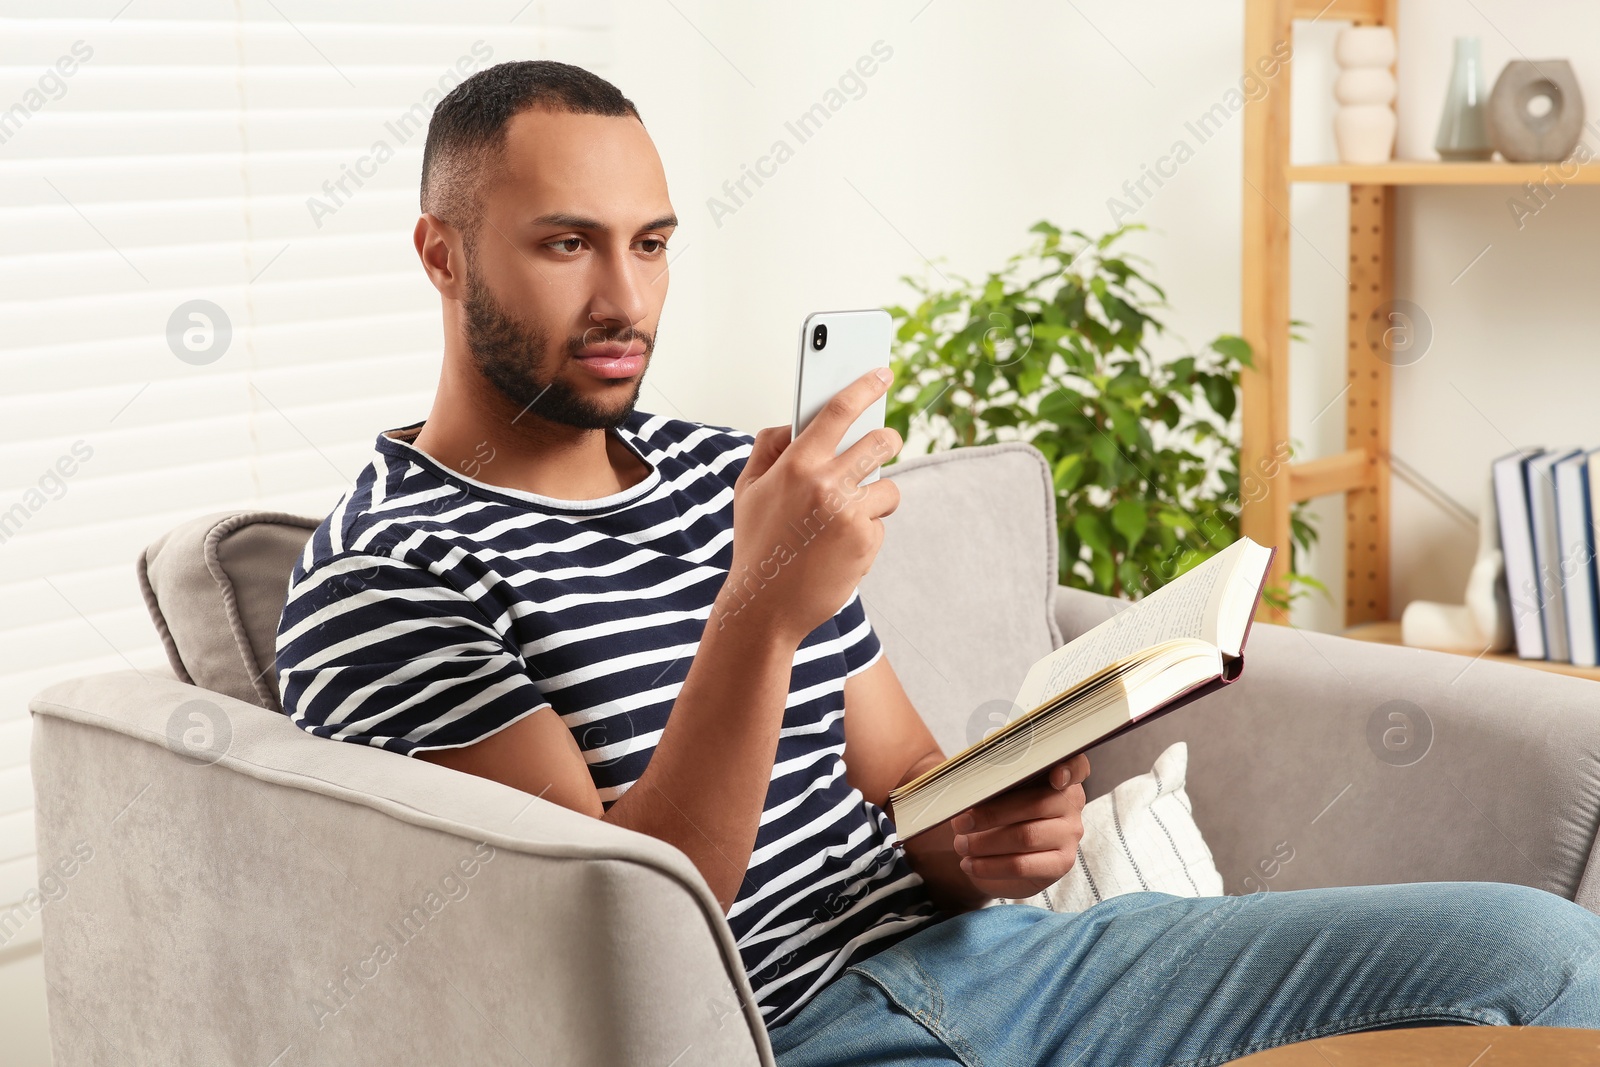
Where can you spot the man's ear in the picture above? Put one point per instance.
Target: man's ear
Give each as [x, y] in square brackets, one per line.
[441, 250]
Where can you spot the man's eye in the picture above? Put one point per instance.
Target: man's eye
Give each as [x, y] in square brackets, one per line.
[660, 245]
[565, 241]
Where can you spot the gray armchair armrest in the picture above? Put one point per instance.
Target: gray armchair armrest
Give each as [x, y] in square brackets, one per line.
[289, 900]
[1339, 762]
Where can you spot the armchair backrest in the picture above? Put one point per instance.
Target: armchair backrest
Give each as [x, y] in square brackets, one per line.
[962, 593]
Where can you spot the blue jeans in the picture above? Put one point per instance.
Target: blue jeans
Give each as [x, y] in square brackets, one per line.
[1150, 979]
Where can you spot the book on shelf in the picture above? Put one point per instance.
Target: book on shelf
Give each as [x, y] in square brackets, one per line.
[1592, 544]
[1159, 653]
[1547, 551]
[1510, 476]
[1575, 535]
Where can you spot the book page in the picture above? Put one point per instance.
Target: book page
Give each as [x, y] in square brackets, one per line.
[1186, 607]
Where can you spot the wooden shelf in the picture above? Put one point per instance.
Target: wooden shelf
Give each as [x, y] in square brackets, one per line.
[1388, 633]
[1331, 474]
[1357, 11]
[1419, 172]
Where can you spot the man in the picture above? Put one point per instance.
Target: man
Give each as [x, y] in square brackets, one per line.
[655, 622]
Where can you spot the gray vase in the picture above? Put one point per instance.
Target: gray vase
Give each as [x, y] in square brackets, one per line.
[1463, 132]
[1523, 136]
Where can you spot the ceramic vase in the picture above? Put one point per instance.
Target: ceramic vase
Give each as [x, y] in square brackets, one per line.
[1535, 114]
[1364, 125]
[1463, 130]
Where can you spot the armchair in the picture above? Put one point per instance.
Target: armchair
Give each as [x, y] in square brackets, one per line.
[256, 895]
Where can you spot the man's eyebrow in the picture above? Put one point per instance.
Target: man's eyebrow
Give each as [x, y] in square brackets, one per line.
[582, 222]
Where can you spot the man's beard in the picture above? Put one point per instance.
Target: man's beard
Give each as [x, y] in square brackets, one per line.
[509, 355]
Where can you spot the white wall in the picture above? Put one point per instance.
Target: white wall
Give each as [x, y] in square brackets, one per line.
[983, 121]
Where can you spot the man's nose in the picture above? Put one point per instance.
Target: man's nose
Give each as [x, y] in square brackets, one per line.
[619, 299]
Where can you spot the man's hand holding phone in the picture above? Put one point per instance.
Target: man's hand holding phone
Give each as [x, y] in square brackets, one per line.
[805, 530]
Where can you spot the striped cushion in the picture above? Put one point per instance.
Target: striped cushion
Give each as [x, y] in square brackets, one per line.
[1140, 836]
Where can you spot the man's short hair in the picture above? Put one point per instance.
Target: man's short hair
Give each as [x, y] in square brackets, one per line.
[465, 149]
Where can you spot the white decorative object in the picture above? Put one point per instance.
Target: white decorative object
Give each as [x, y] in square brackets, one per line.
[1364, 126]
[1140, 836]
[1483, 623]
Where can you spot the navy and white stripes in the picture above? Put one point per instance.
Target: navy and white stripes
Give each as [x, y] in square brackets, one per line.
[430, 610]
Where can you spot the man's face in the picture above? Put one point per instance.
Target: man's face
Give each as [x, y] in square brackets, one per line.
[568, 270]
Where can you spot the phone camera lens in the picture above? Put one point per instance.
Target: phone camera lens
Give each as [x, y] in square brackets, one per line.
[819, 336]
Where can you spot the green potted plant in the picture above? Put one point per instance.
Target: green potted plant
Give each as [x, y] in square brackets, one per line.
[1055, 350]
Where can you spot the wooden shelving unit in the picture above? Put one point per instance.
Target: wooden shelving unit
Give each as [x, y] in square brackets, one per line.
[1362, 471]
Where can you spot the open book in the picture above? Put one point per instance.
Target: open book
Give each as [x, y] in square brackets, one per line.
[1180, 642]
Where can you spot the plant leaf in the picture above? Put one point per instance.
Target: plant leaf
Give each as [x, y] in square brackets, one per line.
[1129, 518]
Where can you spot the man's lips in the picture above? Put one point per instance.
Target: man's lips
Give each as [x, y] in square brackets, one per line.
[612, 359]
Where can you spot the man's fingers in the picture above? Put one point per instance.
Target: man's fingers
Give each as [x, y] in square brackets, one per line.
[823, 434]
[1034, 835]
[769, 445]
[1018, 804]
[1070, 772]
[868, 454]
[880, 498]
[1021, 866]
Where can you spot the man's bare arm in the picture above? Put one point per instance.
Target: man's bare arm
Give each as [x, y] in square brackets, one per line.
[886, 744]
[704, 788]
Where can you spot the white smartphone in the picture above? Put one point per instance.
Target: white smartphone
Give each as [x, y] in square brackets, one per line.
[836, 348]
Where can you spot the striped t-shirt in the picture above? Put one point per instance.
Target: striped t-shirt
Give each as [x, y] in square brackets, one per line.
[430, 610]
